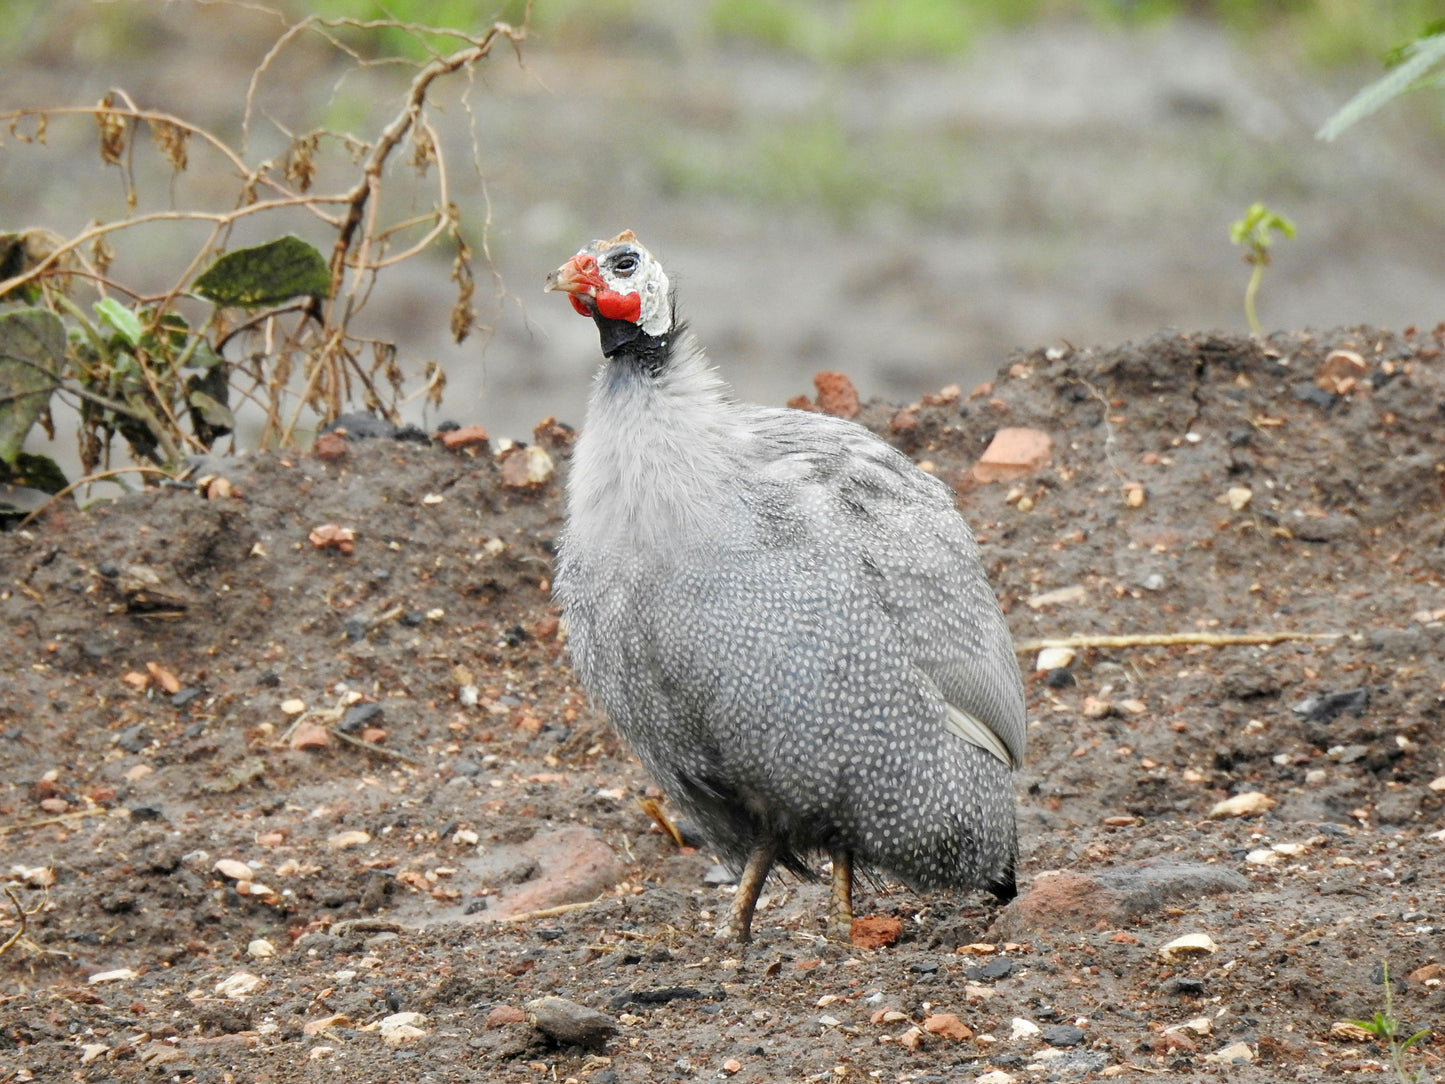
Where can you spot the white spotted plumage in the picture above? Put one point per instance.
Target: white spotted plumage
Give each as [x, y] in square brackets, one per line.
[789, 622]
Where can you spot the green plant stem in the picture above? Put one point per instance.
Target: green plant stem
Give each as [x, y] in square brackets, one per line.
[1255, 278]
[194, 341]
[76, 313]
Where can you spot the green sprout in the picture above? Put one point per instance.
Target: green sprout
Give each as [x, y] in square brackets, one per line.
[1386, 1027]
[1255, 231]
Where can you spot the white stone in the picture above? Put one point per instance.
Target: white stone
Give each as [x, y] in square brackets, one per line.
[1055, 658]
[241, 984]
[1023, 1029]
[1191, 944]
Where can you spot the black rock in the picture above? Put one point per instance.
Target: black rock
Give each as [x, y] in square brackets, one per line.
[1000, 968]
[657, 995]
[362, 426]
[1061, 677]
[992, 971]
[1184, 987]
[133, 738]
[1063, 1035]
[1308, 391]
[924, 967]
[1323, 709]
[186, 695]
[358, 716]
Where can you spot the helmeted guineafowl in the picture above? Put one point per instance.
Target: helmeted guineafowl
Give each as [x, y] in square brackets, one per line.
[784, 617]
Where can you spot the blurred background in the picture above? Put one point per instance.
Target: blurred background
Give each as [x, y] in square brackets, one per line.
[904, 190]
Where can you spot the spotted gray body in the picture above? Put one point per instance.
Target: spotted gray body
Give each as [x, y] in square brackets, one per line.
[789, 622]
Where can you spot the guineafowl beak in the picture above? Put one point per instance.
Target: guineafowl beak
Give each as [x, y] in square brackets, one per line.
[580, 280]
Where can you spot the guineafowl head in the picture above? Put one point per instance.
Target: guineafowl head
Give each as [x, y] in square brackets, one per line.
[623, 288]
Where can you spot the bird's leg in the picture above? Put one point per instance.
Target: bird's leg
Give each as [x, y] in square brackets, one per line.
[750, 884]
[840, 911]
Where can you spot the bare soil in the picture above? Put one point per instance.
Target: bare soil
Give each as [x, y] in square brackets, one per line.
[383, 845]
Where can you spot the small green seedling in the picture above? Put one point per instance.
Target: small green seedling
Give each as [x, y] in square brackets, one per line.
[1386, 1027]
[1255, 231]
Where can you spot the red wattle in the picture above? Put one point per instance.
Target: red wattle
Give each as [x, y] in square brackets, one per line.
[617, 306]
[579, 305]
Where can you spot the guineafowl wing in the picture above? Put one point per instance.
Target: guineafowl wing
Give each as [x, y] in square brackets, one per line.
[907, 546]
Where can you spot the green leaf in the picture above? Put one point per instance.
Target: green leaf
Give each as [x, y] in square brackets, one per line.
[1381, 1026]
[215, 413]
[1257, 226]
[1413, 1039]
[125, 323]
[265, 275]
[32, 348]
[1418, 58]
[204, 356]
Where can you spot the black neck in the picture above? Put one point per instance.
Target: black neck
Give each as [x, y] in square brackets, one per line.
[624, 341]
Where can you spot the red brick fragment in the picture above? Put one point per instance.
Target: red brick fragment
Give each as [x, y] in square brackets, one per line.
[464, 437]
[1014, 452]
[332, 445]
[836, 395]
[948, 1025]
[876, 931]
[502, 1015]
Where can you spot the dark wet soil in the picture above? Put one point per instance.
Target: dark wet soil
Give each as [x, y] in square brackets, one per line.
[385, 753]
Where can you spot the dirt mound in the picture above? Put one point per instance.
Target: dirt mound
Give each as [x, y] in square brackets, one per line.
[278, 776]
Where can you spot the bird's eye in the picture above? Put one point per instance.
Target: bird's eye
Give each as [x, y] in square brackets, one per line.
[625, 265]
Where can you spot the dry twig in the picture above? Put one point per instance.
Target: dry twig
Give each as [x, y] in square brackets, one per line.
[1169, 639]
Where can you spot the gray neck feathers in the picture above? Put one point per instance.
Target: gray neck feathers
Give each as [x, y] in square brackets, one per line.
[656, 452]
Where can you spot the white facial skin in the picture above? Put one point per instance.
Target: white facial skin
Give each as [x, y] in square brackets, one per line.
[620, 280]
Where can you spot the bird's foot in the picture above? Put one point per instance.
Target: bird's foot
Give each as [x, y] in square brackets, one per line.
[840, 905]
